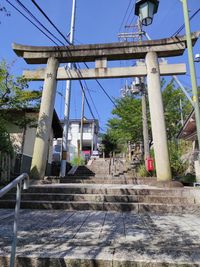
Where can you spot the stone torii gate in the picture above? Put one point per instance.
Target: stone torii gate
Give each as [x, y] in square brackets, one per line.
[101, 54]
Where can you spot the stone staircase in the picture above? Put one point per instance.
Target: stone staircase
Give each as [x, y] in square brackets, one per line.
[100, 166]
[95, 219]
[95, 188]
[111, 194]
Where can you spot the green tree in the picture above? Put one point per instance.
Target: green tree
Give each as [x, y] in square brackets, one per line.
[109, 143]
[126, 124]
[171, 99]
[14, 95]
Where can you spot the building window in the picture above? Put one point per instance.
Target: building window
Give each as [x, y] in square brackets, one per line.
[86, 128]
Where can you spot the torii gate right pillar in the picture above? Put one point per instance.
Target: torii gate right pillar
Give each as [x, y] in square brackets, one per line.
[158, 126]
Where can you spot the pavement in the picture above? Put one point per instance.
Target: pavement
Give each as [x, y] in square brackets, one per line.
[97, 238]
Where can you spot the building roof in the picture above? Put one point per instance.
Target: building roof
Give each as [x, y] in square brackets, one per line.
[56, 124]
[189, 132]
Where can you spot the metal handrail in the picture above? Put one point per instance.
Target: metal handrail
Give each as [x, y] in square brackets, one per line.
[16, 183]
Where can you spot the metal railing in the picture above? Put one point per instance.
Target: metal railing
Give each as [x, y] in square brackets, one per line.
[22, 179]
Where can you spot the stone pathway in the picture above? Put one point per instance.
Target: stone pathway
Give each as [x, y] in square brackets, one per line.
[96, 238]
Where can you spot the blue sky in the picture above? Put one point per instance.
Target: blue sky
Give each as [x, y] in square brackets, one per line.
[96, 22]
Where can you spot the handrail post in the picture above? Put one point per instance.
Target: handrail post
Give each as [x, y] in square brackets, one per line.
[23, 178]
[15, 227]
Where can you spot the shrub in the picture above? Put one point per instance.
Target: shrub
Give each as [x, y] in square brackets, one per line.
[78, 161]
[176, 151]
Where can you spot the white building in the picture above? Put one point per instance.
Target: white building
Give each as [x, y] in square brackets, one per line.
[90, 138]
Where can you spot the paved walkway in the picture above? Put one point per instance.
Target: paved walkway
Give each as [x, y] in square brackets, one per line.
[64, 238]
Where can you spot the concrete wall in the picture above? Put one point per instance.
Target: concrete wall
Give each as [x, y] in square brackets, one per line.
[16, 136]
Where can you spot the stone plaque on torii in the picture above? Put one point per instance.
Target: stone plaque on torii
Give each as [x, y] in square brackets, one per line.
[101, 54]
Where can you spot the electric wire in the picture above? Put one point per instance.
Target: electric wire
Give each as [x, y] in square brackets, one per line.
[50, 21]
[92, 100]
[132, 20]
[32, 22]
[86, 86]
[101, 87]
[198, 77]
[125, 15]
[19, 2]
[183, 26]
[34, 17]
[126, 23]
[89, 107]
[42, 11]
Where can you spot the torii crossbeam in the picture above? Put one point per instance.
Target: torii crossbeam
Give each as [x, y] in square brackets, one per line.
[101, 53]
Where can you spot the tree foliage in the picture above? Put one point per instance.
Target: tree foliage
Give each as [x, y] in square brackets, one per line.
[14, 95]
[126, 123]
[172, 109]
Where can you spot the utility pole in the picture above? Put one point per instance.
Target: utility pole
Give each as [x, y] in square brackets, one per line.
[138, 35]
[192, 69]
[67, 100]
[181, 111]
[82, 118]
[144, 105]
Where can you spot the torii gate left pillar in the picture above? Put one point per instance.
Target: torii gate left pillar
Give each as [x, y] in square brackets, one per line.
[40, 152]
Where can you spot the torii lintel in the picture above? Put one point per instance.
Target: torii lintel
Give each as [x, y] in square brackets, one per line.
[169, 47]
[104, 73]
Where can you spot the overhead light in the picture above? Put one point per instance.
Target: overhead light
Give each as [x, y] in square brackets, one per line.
[197, 58]
[146, 9]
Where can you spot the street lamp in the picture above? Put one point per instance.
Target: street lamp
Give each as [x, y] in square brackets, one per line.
[197, 58]
[146, 9]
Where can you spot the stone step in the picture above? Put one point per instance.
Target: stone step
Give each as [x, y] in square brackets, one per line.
[106, 206]
[72, 197]
[113, 189]
[103, 198]
[92, 180]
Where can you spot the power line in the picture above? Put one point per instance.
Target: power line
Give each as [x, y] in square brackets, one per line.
[32, 22]
[102, 87]
[50, 21]
[183, 26]
[83, 91]
[125, 15]
[92, 100]
[34, 17]
[44, 14]
[190, 76]
[126, 23]
[54, 41]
